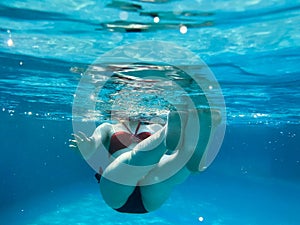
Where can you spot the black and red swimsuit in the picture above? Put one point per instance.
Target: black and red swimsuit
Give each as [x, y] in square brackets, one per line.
[121, 140]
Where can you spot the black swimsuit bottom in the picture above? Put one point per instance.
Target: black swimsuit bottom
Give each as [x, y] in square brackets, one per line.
[134, 203]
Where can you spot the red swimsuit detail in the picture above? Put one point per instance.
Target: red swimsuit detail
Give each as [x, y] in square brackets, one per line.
[122, 139]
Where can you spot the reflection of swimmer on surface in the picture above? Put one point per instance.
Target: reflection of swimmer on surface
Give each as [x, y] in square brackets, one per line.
[147, 148]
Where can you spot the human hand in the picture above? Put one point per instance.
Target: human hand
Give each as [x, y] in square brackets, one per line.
[86, 145]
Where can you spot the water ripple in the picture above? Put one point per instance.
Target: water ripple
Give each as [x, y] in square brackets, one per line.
[251, 46]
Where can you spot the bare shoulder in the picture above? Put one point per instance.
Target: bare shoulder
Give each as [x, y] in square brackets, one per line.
[104, 127]
[106, 124]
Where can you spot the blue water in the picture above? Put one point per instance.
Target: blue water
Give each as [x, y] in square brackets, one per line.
[253, 49]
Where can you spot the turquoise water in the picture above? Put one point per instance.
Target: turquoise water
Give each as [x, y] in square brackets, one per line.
[252, 48]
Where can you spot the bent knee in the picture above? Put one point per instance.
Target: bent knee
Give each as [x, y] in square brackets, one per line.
[152, 203]
[155, 195]
[115, 195]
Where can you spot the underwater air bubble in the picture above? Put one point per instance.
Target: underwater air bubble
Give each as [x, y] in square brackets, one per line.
[183, 29]
[10, 42]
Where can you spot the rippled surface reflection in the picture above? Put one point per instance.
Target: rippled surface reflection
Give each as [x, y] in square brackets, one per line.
[251, 46]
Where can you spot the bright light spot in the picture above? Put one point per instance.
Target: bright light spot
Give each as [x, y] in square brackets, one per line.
[92, 97]
[29, 113]
[156, 19]
[10, 42]
[8, 31]
[123, 15]
[256, 115]
[210, 87]
[21, 63]
[201, 219]
[3, 109]
[183, 29]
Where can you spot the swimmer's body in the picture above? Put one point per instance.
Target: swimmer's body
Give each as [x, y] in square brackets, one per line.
[149, 148]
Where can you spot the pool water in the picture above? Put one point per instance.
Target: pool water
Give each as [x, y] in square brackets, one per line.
[252, 48]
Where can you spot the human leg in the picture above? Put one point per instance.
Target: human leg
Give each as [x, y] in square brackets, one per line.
[175, 127]
[208, 119]
[143, 164]
[123, 174]
[157, 186]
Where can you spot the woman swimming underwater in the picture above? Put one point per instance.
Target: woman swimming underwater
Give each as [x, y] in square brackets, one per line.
[151, 148]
